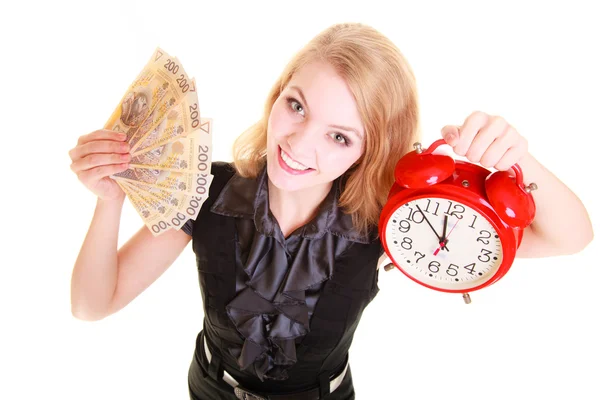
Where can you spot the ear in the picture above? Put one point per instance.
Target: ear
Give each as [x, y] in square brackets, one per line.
[510, 199]
[419, 169]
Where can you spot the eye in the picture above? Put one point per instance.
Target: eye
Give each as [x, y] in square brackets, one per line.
[294, 105]
[345, 141]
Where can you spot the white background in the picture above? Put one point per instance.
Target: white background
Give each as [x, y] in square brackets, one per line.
[65, 66]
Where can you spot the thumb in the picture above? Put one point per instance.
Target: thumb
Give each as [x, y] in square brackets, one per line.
[450, 133]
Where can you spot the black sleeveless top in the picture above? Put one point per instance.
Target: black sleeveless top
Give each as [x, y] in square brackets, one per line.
[279, 312]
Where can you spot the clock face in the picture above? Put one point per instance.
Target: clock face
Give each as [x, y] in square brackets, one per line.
[470, 255]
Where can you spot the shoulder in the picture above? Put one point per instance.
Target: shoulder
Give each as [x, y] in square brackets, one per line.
[222, 168]
[221, 172]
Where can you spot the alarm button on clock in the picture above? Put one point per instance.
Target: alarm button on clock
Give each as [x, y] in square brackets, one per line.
[416, 170]
[514, 205]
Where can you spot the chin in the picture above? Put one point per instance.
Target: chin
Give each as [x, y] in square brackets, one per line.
[283, 181]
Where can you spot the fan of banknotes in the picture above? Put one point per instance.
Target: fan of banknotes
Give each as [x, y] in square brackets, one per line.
[169, 173]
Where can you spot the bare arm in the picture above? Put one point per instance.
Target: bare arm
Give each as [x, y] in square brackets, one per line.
[105, 280]
[562, 224]
[142, 260]
[94, 275]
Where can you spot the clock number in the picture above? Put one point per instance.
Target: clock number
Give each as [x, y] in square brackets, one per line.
[408, 242]
[484, 236]
[472, 269]
[436, 207]
[434, 267]
[411, 216]
[485, 257]
[454, 270]
[404, 226]
[455, 212]
[473, 223]
[421, 255]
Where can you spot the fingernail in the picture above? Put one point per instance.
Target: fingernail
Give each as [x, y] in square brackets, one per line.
[449, 138]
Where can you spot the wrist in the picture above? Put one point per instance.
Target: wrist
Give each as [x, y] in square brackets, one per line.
[530, 167]
[114, 202]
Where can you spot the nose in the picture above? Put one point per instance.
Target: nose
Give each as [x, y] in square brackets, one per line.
[303, 144]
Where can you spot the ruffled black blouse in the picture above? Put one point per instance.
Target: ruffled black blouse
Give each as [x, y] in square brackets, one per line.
[277, 282]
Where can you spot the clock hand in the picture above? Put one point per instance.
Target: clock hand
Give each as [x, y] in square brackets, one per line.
[431, 226]
[445, 226]
[445, 240]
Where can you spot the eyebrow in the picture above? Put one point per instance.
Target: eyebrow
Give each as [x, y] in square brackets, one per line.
[346, 128]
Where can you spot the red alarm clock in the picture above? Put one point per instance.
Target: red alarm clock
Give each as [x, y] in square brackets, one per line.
[452, 225]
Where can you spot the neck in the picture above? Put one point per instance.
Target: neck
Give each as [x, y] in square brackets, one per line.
[296, 208]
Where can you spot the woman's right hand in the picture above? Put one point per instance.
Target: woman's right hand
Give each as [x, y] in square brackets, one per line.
[97, 156]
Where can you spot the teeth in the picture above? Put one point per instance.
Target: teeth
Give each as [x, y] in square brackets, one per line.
[291, 163]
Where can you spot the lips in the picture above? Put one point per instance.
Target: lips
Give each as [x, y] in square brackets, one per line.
[292, 158]
[285, 167]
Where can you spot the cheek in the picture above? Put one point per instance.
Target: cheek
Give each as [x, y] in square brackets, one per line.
[337, 159]
[279, 121]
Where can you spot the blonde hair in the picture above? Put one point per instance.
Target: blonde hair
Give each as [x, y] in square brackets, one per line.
[384, 88]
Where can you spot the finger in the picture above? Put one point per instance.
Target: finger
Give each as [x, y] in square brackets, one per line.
[496, 127]
[104, 146]
[511, 157]
[500, 146]
[95, 174]
[469, 130]
[99, 159]
[450, 133]
[496, 151]
[99, 146]
[102, 134]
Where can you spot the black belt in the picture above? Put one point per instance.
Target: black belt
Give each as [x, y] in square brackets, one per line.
[244, 394]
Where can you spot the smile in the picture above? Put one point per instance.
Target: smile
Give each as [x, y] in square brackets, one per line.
[291, 165]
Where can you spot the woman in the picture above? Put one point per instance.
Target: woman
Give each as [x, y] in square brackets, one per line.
[287, 243]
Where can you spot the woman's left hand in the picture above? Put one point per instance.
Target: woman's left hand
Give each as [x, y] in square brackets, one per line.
[488, 140]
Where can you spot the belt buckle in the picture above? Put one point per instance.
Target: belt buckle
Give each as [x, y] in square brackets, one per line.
[244, 394]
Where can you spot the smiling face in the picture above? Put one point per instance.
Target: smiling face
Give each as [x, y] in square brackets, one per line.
[315, 121]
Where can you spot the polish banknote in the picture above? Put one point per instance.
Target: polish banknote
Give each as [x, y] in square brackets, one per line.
[169, 175]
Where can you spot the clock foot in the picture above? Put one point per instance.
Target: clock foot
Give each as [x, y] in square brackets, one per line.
[467, 298]
[389, 267]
